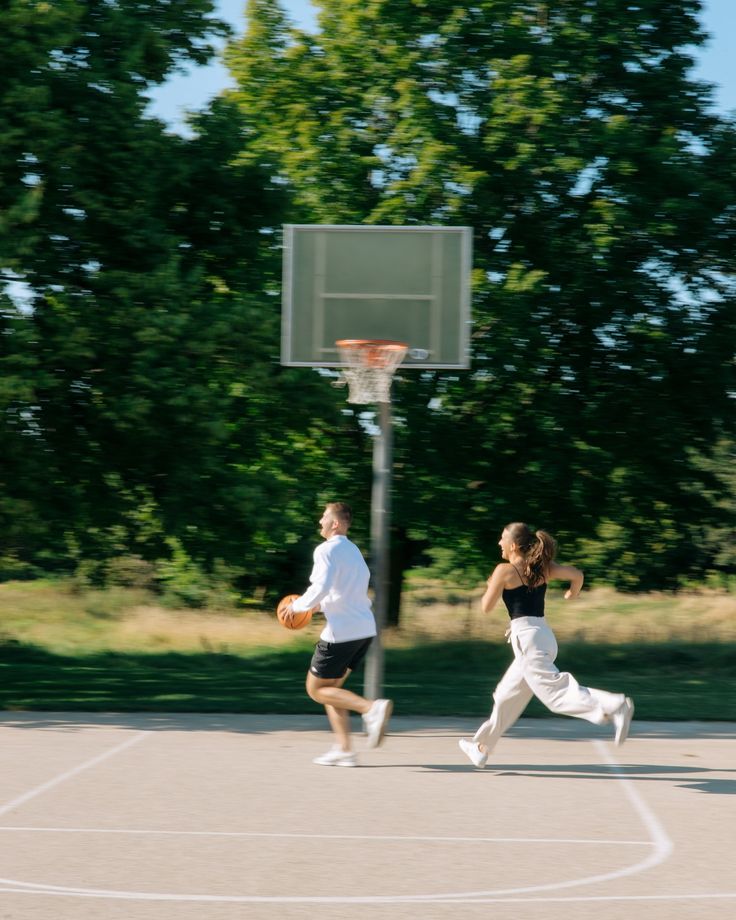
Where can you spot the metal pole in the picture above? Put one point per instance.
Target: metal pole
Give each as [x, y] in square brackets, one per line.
[380, 525]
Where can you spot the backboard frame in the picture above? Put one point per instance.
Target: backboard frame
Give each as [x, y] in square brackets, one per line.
[419, 357]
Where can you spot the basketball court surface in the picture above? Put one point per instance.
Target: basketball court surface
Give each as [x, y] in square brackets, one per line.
[151, 817]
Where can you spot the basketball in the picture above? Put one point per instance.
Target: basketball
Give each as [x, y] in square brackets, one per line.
[293, 620]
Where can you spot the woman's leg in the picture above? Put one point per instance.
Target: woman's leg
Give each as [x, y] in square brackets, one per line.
[510, 698]
[559, 690]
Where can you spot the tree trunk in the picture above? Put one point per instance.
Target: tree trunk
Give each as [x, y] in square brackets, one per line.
[404, 553]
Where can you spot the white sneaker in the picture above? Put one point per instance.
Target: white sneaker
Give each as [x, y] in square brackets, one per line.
[376, 720]
[622, 720]
[336, 757]
[472, 750]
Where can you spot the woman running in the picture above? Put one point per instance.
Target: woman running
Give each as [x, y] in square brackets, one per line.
[522, 582]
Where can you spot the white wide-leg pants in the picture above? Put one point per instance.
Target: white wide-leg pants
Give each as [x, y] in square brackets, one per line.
[533, 673]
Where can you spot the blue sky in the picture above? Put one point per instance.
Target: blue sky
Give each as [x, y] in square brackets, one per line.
[192, 91]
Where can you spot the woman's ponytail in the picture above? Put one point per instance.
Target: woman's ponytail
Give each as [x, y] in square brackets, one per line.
[538, 549]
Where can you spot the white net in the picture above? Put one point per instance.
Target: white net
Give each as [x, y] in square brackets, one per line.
[370, 366]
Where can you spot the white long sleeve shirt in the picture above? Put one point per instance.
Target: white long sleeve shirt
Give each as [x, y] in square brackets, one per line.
[339, 584]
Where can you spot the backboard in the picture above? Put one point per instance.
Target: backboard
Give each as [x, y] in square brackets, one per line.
[407, 284]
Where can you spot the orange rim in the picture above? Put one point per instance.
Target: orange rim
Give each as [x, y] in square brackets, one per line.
[374, 352]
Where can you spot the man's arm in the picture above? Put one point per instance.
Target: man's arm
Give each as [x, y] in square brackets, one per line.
[321, 579]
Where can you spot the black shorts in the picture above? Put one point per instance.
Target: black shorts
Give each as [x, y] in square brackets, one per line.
[332, 659]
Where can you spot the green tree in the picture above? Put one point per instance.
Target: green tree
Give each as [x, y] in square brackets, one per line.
[600, 186]
[144, 406]
[89, 189]
[716, 534]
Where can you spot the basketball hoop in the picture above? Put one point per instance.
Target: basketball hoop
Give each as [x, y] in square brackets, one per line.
[370, 366]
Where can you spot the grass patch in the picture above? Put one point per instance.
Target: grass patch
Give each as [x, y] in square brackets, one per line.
[675, 681]
[116, 650]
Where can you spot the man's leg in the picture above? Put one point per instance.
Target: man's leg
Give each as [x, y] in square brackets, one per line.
[338, 703]
[324, 687]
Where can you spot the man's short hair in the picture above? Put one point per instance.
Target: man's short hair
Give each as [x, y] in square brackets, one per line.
[342, 511]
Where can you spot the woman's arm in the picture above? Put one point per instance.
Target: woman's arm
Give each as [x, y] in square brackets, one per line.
[494, 590]
[567, 573]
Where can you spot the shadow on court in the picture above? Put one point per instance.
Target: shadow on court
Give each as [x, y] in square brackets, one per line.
[713, 787]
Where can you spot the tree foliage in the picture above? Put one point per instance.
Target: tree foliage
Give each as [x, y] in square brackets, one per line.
[600, 187]
[144, 412]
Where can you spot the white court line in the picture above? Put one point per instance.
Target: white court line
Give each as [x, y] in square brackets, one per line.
[63, 777]
[130, 896]
[661, 842]
[727, 895]
[698, 896]
[369, 837]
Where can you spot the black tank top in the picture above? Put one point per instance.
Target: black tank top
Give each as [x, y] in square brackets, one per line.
[525, 601]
